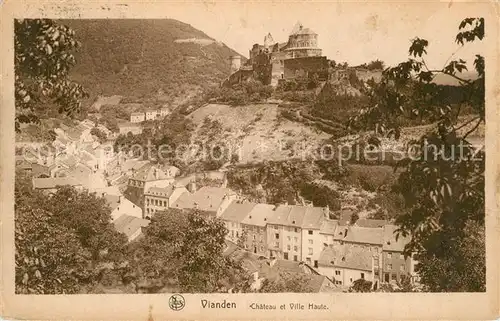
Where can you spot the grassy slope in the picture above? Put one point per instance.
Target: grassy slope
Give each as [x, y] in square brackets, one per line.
[137, 58]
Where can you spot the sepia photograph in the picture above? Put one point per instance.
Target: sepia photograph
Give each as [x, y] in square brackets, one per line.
[231, 149]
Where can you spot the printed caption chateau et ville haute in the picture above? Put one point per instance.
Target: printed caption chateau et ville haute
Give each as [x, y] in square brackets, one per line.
[152, 158]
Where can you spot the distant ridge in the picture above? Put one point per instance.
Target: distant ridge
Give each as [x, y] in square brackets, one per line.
[138, 58]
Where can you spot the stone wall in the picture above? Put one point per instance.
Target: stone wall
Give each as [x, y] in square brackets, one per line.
[306, 68]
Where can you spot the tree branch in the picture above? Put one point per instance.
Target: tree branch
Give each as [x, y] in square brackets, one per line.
[452, 75]
[466, 123]
[473, 128]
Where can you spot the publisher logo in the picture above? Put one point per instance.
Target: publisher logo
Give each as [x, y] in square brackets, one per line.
[176, 302]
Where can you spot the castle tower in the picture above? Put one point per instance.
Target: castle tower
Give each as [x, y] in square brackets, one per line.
[235, 63]
[268, 41]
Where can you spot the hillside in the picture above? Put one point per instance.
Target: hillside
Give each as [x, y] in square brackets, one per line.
[144, 58]
[259, 130]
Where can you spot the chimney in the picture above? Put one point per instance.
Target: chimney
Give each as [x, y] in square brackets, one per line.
[119, 199]
[191, 187]
[345, 232]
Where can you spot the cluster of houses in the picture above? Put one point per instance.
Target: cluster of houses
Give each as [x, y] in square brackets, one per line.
[341, 250]
[137, 118]
[332, 253]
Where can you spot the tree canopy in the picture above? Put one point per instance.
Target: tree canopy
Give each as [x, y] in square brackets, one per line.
[443, 182]
[44, 55]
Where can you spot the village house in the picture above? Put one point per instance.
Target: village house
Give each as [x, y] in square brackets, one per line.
[312, 241]
[213, 200]
[148, 176]
[327, 231]
[131, 226]
[284, 232]
[274, 269]
[254, 224]
[362, 237]
[160, 198]
[51, 184]
[393, 263]
[345, 264]
[151, 114]
[121, 206]
[137, 117]
[233, 215]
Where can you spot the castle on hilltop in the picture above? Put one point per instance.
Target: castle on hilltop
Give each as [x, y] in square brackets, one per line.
[271, 61]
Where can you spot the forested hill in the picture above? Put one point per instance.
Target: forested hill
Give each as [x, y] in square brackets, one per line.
[138, 58]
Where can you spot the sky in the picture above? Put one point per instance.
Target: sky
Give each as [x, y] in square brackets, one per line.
[347, 32]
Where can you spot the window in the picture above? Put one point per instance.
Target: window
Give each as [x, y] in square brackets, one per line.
[289, 238]
[376, 274]
[296, 230]
[285, 255]
[310, 241]
[308, 260]
[288, 247]
[362, 275]
[237, 234]
[402, 268]
[399, 256]
[295, 258]
[295, 248]
[277, 236]
[147, 210]
[393, 277]
[261, 248]
[310, 251]
[253, 237]
[310, 232]
[389, 266]
[337, 272]
[277, 244]
[389, 255]
[156, 202]
[295, 239]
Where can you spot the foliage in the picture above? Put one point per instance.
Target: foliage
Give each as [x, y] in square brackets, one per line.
[184, 249]
[240, 94]
[443, 184]
[361, 285]
[280, 180]
[49, 257]
[374, 65]
[44, 54]
[321, 195]
[101, 136]
[64, 243]
[111, 115]
[286, 282]
[140, 57]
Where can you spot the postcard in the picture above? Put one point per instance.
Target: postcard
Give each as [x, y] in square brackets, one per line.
[249, 160]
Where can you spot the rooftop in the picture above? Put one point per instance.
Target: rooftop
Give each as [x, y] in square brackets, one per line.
[160, 191]
[237, 211]
[207, 198]
[390, 242]
[129, 224]
[53, 182]
[365, 235]
[313, 218]
[150, 172]
[346, 256]
[259, 215]
[365, 222]
[329, 227]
